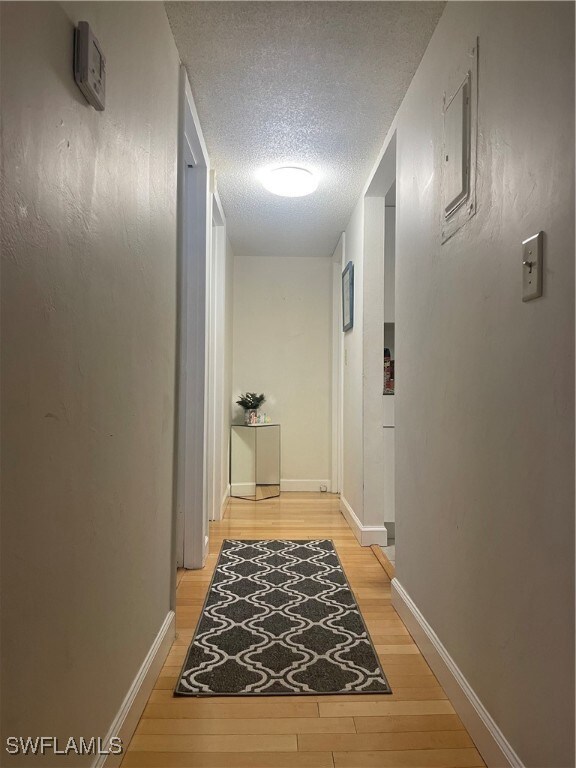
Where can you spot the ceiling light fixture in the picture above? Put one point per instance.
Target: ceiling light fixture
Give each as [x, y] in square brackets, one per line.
[289, 181]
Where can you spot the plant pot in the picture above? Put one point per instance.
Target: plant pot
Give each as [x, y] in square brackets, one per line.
[251, 416]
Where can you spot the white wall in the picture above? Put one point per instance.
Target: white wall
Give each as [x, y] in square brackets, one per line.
[485, 383]
[364, 487]
[282, 347]
[337, 366]
[219, 351]
[226, 277]
[88, 363]
[373, 362]
[352, 386]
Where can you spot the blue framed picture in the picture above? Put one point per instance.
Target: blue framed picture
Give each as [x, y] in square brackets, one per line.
[348, 297]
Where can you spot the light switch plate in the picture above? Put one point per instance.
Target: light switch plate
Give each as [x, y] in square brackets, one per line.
[532, 267]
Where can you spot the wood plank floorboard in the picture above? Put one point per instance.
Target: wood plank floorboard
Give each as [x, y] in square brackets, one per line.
[415, 727]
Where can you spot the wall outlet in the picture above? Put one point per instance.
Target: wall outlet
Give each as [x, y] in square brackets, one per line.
[323, 488]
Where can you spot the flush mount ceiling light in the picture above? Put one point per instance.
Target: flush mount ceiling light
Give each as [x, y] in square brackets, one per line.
[289, 181]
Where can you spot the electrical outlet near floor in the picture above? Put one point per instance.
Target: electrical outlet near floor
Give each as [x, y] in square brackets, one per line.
[323, 488]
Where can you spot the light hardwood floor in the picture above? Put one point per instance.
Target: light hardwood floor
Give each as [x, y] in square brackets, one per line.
[414, 727]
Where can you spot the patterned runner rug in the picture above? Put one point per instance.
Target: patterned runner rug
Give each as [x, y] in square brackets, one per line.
[280, 619]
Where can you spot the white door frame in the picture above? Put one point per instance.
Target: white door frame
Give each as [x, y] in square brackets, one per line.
[338, 259]
[216, 359]
[194, 235]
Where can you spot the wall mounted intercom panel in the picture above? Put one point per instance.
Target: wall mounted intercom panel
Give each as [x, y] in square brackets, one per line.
[89, 66]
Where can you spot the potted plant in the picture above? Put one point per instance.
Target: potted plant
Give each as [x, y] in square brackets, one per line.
[250, 401]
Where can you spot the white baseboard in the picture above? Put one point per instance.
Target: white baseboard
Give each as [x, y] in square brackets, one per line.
[366, 534]
[217, 512]
[126, 720]
[224, 502]
[303, 485]
[286, 486]
[486, 734]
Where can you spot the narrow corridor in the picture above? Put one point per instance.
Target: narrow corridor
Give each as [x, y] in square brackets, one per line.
[363, 214]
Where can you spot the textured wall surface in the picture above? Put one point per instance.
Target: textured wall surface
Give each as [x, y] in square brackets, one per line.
[297, 82]
[282, 347]
[484, 382]
[88, 345]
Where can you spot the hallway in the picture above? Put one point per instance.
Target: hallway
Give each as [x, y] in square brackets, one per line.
[361, 213]
[415, 726]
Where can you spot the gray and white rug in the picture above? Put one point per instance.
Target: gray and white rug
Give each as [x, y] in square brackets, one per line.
[280, 619]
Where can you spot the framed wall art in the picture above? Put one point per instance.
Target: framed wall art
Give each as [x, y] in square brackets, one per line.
[348, 297]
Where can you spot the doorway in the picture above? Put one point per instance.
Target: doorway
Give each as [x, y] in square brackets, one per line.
[217, 428]
[383, 187]
[379, 274]
[194, 216]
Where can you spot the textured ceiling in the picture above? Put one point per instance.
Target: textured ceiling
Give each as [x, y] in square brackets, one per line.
[316, 83]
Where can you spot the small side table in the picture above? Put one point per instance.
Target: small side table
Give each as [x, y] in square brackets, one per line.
[255, 461]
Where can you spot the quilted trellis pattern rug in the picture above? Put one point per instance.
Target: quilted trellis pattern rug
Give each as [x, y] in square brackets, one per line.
[280, 618]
